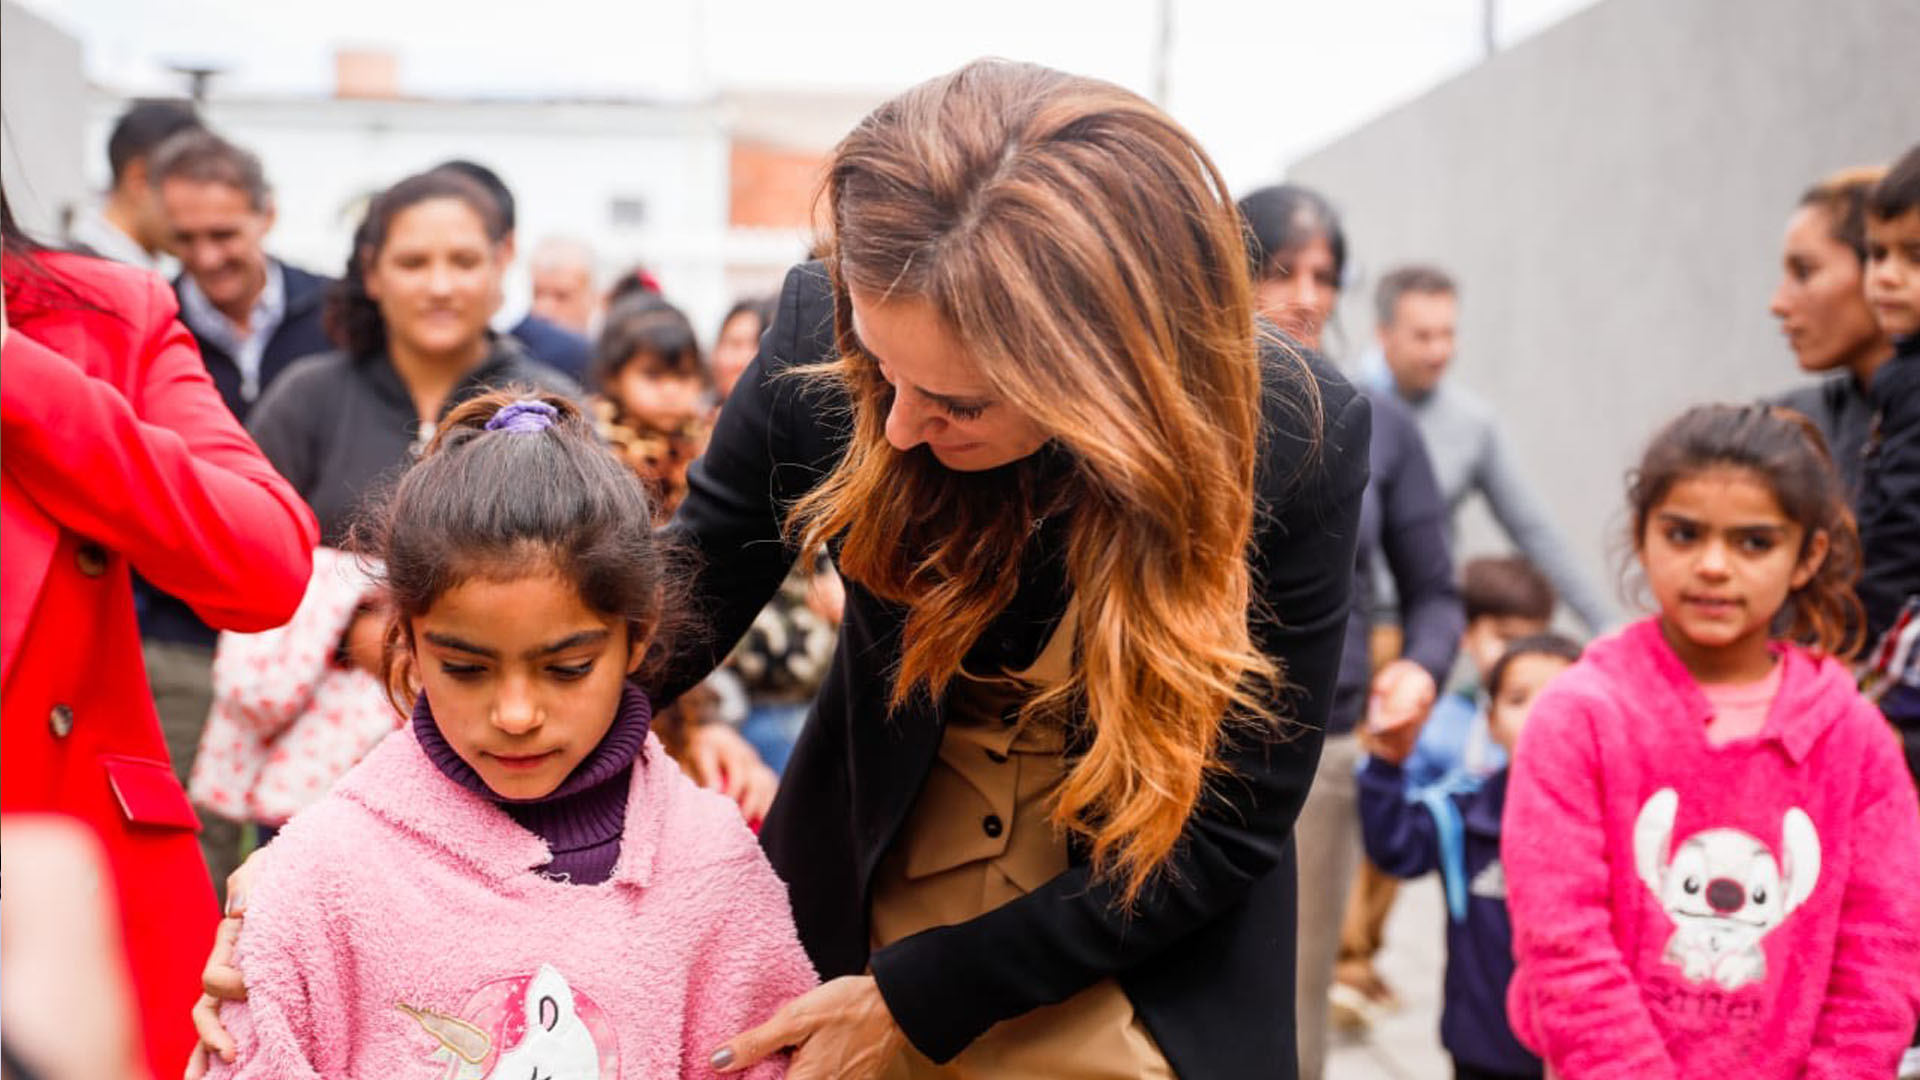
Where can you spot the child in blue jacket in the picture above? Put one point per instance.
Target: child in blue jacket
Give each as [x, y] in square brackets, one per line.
[1455, 828]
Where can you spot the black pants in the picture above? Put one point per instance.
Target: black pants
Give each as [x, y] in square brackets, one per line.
[1463, 1071]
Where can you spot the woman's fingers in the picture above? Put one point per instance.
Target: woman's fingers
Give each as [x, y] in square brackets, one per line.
[221, 979]
[196, 1062]
[754, 792]
[724, 761]
[239, 883]
[750, 1047]
[213, 1038]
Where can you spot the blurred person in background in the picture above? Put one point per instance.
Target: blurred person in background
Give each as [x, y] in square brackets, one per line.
[120, 456]
[410, 317]
[251, 316]
[1888, 504]
[739, 340]
[653, 395]
[1297, 251]
[65, 1007]
[562, 269]
[1418, 312]
[1825, 316]
[566, 351]
[128, 226]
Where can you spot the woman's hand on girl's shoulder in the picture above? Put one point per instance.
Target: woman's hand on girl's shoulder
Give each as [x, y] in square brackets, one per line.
[719, 758]
[221, 980]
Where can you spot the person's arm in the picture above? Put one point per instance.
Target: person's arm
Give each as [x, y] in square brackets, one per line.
[1890, 509]
[166, 478]
[1873, 993]
[755, 466]
[1413, 536]
[946, 986]
[1399, 835]
[752, 963]
[1584, 1015]
[1519, 512]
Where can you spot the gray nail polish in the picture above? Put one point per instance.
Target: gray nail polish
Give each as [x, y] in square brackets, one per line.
[722, 1058]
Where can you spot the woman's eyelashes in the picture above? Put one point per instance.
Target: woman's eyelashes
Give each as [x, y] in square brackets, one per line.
[966, 410]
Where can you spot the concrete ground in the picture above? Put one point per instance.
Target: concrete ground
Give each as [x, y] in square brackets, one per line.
[1404, 1045]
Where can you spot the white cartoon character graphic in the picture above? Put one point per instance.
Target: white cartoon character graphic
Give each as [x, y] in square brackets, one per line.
[529, 1027]
[1723, 889]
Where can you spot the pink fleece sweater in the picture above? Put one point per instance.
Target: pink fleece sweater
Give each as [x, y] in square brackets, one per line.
[1682, 910]
[397, 929]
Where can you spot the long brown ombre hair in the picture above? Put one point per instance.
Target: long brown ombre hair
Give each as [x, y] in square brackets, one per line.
[1086, 254]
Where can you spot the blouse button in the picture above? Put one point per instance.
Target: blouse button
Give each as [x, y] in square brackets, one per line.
[61, 721]
[91, 558]
[992, 827]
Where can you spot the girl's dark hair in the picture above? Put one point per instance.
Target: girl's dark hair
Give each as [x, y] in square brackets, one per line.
[1532, 645]
[352, 317]
[1280, 218]
[1843, 196]
[1784, 449]
[1899, 190]
[760, 307]
[643, 328]
[496, 505]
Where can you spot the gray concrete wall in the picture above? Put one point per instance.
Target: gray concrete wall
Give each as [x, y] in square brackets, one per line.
[43, 99]
[1611, 196]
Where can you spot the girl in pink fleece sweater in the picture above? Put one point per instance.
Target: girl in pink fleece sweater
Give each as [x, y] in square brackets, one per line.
[1711, 843]
[519, 883]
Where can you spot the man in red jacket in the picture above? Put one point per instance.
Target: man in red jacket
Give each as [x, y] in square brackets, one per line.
[120, 456]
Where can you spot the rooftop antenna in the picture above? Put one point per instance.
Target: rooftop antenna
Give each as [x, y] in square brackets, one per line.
[199, 77]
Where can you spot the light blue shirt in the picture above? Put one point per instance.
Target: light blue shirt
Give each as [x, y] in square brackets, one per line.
[247, 345]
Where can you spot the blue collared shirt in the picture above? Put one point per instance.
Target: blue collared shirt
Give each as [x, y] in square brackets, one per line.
[248, 344]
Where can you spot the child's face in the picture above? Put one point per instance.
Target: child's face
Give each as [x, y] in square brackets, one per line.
[666, 402]
[523, 677]
[1721, 556]
[1523, 680]
[1893, 272]
[1488, 636]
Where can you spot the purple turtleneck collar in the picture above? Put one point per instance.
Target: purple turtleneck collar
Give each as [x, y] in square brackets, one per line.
[582, 819]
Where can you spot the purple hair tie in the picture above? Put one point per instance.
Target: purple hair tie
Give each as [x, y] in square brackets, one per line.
[524, 418]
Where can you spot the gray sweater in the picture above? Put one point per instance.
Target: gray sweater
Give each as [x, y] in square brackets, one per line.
[1470, 455]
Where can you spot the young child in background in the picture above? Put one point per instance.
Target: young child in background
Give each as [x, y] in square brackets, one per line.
[295, 707]
[1710, 839]
[1456, 829]
[653, 396]
[1506, 598]
[518, 883]
[1889, 509]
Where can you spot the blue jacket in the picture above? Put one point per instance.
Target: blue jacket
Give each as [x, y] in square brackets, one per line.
[559, 348]
[1458, 833]
[301, 333]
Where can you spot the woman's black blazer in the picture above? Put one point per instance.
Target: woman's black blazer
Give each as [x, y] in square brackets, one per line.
[1207, 954]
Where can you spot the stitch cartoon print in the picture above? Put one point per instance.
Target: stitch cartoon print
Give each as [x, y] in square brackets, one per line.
[1723, 888]
[526, 1026]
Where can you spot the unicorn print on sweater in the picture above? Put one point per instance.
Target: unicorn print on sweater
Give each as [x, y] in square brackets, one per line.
[1723, 889]
[527, 1026]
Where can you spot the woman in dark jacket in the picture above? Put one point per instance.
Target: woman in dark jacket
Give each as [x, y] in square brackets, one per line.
[1093, 533]
[410, 316]
[1298, 254]
[1098, 543]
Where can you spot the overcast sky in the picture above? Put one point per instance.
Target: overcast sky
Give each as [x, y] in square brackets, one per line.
[1260, 83]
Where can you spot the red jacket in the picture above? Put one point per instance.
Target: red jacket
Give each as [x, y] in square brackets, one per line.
[117, 454]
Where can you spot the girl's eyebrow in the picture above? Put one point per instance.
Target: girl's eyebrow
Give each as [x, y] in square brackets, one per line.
[1755, 527]
[571, 641]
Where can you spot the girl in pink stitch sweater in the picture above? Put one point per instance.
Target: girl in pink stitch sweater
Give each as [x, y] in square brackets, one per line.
[1711, 843]
[518, 883]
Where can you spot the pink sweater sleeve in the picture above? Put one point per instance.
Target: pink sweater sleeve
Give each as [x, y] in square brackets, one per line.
[1867, 1018]
[750, 963]
[1573, 999]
